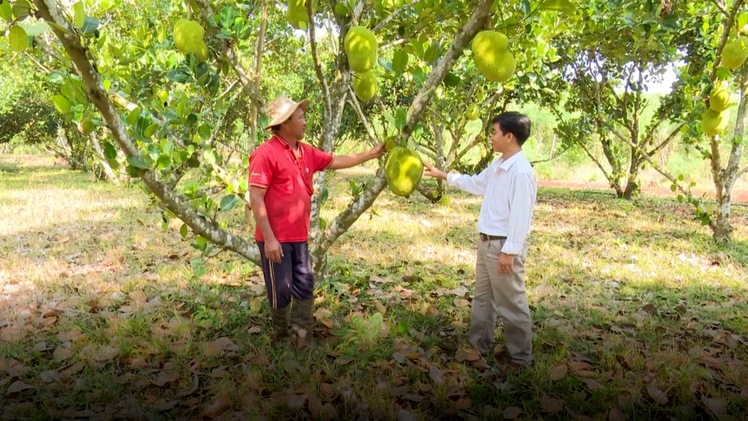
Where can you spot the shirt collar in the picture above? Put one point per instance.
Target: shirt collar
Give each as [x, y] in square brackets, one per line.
[285, 144]
[506, 164]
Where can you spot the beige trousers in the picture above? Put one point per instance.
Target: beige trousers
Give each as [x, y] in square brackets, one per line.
[500, 293]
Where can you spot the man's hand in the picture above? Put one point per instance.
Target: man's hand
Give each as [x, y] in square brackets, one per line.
[273, 251]
[506, 263]
[377, 151]
[432, 171]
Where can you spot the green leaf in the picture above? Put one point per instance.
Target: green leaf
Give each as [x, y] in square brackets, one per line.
[228, 202]
[34, 29]
[401, 117]
[150, 130]
[183, 231]
[400, 61]
[138, 162]
[322, 224]
[90, 25]
[209, 157]
[163, 162]
[178, 76]
[79, 14]
[17, 38]
[558, 5]
[132, 118]
[5, 11]
[21, 9]
[61, 103]
[110, 152]
[204, 131]
[200, 243]
[132, 171]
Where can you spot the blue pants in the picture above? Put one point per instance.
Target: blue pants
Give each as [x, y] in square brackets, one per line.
[292, 277]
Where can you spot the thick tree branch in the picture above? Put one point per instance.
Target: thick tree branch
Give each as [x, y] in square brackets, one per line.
[176, 203]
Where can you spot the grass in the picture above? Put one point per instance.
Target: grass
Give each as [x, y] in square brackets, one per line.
[636, 312]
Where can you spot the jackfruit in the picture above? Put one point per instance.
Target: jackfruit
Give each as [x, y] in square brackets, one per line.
[735, 52]
[361, 48]
[473, 112]
[297, 16]
[719, 99]
[188, 38]
[403, 170]
[492, 56]
[365, 85]
[714, 123]
[390, 144]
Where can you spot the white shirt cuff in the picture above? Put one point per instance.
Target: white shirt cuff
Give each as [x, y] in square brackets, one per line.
[512, 248]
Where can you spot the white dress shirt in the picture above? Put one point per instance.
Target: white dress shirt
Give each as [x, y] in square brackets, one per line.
[509, 191]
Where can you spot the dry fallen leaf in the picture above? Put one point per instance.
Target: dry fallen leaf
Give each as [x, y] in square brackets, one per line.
[467, 355]
[616, 415]
[559, 372]
[436, 375]
[164, 377]
[17, 387]
[403, 415]
[552, 405]
[217, 406]
[656, 394]
[512, 413]
[718, 406]
[593, 384]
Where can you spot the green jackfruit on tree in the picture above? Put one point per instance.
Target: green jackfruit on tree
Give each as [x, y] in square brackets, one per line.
[735, 52]
[719, 99]
[361, 48]
[403, 170]
[473, 112]
[188, 38]
[714, 123]
[492, 56]
[297, 15]
[365, 85]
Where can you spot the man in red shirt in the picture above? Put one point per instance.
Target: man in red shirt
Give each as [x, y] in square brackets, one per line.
[281, 174]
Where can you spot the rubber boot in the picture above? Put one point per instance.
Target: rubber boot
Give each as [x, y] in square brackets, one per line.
[302, 321]
[280, 317]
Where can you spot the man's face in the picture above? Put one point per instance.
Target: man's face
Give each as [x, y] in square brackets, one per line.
[295, 126]
[499, 139]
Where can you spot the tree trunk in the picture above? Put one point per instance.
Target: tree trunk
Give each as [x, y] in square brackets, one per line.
[633, 188]
[724, 179]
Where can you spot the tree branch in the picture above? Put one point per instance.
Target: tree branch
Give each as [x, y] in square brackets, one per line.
[315, 58]
[251, 87]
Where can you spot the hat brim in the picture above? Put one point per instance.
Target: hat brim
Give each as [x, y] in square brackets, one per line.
[279, 119]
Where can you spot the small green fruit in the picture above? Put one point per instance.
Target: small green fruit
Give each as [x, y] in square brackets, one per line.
[719, 100]
[714, 123]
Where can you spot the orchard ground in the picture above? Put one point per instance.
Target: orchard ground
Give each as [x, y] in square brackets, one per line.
[103, 314]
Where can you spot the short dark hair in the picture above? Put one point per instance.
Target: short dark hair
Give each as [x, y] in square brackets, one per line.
[275, 128]
[515, 123]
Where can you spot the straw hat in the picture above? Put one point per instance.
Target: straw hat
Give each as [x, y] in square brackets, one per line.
[281, 109]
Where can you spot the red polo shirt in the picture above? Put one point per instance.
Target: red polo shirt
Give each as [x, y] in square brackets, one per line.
[288, 179]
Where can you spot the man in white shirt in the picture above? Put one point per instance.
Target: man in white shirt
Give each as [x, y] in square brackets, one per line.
[509, 190]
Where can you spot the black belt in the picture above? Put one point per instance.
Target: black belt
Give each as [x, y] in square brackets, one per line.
[486, 237]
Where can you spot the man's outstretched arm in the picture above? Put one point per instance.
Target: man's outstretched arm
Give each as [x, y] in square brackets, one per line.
[340, 162]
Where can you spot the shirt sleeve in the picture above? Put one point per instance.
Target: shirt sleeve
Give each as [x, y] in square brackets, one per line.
[522, 201]
[475, 184]
[320, 159]
[260, 169]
